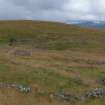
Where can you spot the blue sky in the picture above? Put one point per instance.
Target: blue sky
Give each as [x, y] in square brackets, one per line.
[55, 10]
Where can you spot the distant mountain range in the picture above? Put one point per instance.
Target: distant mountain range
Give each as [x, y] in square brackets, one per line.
[90, 24]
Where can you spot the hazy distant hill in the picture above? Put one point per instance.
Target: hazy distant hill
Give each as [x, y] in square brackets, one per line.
[92, 24]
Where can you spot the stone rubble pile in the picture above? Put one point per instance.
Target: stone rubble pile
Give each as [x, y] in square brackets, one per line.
[24, 89]
[20, 88]
[66, 97]
[96, 93]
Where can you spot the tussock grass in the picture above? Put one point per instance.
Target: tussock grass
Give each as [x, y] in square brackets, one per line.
[50, 35]
[63, 58]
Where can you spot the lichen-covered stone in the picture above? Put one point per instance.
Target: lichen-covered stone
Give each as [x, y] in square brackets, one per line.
[24, 89]
[98, 92]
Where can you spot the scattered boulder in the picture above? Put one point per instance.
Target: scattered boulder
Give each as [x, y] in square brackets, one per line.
[24, 89]
[66, 97]
[98, 92]
[20, 88]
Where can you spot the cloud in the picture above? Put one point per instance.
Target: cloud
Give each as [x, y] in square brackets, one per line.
[55, 10]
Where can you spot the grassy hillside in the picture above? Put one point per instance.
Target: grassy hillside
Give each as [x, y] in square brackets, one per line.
[50, 35]
[50, 58]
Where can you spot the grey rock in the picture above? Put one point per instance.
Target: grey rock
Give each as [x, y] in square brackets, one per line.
[98, 92]
[20, 88]
[66, 97]
[24, 89]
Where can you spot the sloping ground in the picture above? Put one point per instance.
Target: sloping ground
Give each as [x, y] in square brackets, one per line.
[50, 35]
[50, 58]
[47, 72]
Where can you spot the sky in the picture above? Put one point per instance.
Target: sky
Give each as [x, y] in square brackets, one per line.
[53, 10]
